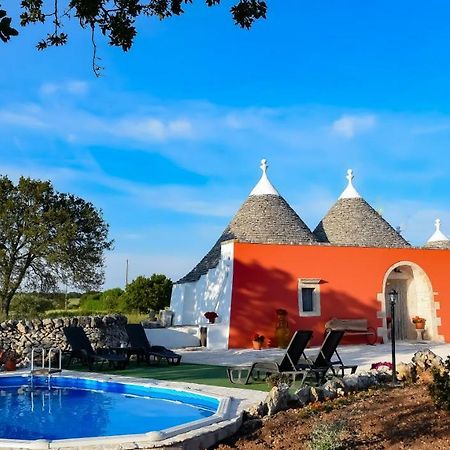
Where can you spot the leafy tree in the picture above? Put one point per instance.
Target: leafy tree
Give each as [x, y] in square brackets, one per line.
[143, 293]
[48, 238]
[30, 306]
[113, 18]
[111, 299]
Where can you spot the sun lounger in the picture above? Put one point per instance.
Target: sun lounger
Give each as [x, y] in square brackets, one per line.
[242, 374]
[81, 349]
[324, 362]
[140, 346]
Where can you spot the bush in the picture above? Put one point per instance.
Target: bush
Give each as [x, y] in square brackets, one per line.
[144, 294]
[91, 301]
[29, 306]
[327, 436]
[112, 300]
[440, 387]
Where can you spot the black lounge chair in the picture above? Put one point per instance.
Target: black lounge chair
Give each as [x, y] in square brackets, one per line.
[140, 346]
[82, 350]
[288, 365]
[324, 362]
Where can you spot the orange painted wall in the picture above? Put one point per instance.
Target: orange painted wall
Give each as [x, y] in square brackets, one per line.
[266, 278]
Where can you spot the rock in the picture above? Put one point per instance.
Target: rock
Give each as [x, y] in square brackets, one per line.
[304, 395]
[336, 385]
[317, 394]
[351, 382]
[259, 410]
[406, 372]
[366, 380]
[277, 399]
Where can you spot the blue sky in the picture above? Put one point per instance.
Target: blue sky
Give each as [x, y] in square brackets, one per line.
[168, 141]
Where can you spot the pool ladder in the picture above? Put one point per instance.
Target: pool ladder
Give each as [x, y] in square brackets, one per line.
[43, 370]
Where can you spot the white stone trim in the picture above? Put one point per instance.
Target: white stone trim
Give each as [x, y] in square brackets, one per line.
[432, 319]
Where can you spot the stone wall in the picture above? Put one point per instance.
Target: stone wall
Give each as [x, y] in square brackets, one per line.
[22, 335]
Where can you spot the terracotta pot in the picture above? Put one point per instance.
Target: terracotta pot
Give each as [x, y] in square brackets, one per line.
[257, 345]
[10, 365]
[420, 325]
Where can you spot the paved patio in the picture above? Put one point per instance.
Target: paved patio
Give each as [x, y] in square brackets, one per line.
[362, 355]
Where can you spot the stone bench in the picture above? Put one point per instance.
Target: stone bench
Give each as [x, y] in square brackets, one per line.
[353, 327]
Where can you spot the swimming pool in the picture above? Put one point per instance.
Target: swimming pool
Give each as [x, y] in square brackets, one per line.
[73, 411]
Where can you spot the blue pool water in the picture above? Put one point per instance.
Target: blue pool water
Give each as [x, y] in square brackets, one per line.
[75, 408]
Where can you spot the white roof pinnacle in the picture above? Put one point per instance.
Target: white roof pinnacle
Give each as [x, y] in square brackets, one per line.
[350, 191]
[438, 235]
[264, 186]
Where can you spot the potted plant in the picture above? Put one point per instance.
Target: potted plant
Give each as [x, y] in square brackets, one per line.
[258, 341]
[419, 322]
[211, 316]
[8, 358]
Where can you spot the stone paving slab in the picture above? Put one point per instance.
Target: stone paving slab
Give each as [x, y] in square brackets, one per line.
[362, 355]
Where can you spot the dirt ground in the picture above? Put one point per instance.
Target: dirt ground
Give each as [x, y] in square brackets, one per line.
[388, 418]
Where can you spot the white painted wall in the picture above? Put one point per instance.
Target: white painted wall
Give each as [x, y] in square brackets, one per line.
[174, 337]
[211, 292]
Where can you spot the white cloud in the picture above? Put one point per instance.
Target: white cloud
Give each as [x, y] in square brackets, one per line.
[73, 87]
[350, 125]
[21, 119]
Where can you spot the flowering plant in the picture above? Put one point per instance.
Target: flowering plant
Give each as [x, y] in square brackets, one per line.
[258, 338]
[418, 319]
[211, 315]
[379, 365]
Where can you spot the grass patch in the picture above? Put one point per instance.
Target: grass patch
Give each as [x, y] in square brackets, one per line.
[187, 373]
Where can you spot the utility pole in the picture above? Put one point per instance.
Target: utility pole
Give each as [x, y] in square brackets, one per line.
[126, 275]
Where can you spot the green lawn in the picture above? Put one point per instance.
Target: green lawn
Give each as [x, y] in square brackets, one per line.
[188, 373]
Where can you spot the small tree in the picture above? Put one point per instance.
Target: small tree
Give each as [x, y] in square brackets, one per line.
[112, 299]
[143, 293]
[47, 238]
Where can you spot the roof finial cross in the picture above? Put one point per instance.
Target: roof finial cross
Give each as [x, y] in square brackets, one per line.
[264, 165]
[350, 191]
[350, 176]
[437, 224]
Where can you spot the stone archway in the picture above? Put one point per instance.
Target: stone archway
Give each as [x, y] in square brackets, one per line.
[416, 297]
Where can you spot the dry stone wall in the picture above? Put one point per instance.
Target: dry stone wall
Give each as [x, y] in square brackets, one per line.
[22, 335]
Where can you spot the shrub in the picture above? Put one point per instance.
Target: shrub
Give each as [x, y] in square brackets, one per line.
[91, 301]
[440, 387]
[327, 436]
[29, 306]
[112, 300]
[144, 294]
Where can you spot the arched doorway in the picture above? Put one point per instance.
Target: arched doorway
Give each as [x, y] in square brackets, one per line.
[415, 298]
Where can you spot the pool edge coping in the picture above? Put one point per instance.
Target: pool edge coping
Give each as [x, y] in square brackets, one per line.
[224, 422]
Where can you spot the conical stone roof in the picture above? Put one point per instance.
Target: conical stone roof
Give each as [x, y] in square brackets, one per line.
[264, 218]
[352, 221]
[438, 239]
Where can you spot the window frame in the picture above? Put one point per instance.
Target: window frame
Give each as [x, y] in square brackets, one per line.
[311, 283]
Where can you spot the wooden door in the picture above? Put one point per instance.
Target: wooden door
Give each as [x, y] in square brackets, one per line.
[401, 308]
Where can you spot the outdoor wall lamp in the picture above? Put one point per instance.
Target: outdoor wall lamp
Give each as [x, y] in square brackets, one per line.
[393, 297]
